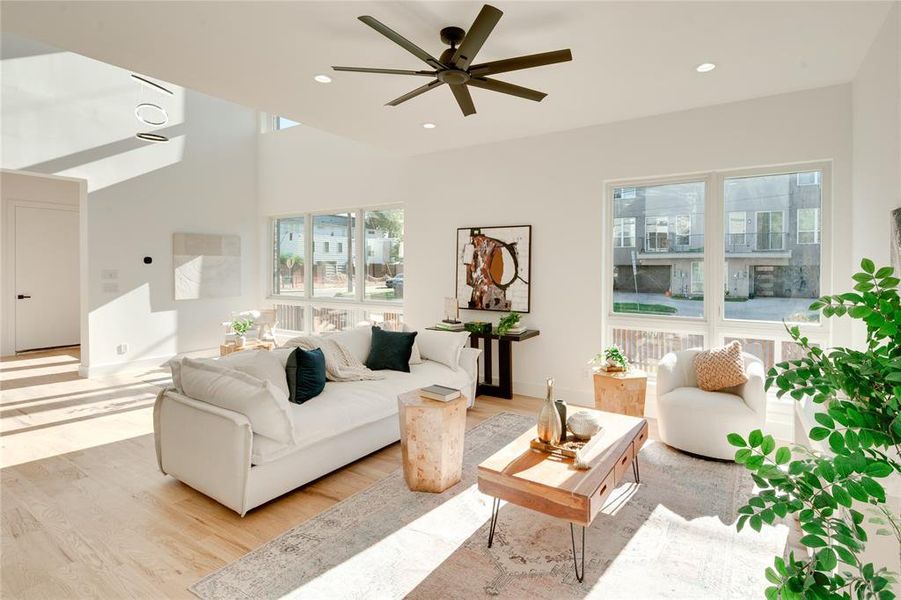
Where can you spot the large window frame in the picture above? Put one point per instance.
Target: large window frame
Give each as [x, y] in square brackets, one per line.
[713, 325]
[357, 304]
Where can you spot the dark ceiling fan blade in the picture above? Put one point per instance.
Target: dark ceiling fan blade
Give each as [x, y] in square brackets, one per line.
[521, 62]
[402, 41]
[506, 88]
[464, 99]
[420, 90]
[385, 71]
[479, 31]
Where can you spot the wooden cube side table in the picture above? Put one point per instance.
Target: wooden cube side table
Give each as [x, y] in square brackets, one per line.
[431, 441]
[622, 392]
[231, 347]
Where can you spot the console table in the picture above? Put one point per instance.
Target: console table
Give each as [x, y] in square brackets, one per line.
[504, 388]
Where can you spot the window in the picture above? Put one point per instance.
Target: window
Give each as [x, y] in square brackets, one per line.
[657, 234]
[283, 123]
[650, 281]
[808, 226]
[775, 280]
[317, 280]
[770, 230]
[288, 254]
[683, 230]
[624, 232]
[625, 193]
[738, 230]
[809, 178]
[384, 254]
[697, 278]
[333, 273]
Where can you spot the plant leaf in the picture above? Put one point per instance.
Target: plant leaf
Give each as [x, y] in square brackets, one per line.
[867, 265]
[736, 440]
[783, 455]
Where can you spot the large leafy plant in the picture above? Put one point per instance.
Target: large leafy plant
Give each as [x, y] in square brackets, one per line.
[830, 492]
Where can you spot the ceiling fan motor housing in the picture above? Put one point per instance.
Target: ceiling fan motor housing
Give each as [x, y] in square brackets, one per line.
[452, 36]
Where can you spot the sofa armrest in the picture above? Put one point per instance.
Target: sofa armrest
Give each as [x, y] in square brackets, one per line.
[669, 374]
[469, 362]
[204, 446]
[752, 391]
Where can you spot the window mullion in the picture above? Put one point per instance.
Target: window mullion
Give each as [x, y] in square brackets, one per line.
[360, 255]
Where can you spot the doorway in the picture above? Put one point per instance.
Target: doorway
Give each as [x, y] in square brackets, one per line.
[41, 272]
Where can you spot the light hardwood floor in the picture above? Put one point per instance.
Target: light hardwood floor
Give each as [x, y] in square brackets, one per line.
[85, 511]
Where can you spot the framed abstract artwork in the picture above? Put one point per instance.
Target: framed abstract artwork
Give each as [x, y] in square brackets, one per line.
[206, 266]
[494, 268]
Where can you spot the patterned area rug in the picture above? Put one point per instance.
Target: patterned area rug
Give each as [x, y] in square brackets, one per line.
[672, 536]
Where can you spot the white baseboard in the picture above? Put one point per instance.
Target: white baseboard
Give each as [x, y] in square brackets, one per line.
[104, 370]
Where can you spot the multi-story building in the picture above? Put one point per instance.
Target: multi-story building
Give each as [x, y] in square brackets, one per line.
[772, 238]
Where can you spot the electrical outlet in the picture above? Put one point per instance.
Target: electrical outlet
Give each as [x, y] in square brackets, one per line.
[122, 349]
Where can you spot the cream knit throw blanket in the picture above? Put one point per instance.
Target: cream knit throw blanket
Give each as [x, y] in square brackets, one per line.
[340, 364]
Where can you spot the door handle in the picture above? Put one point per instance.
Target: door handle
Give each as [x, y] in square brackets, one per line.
[22, 297]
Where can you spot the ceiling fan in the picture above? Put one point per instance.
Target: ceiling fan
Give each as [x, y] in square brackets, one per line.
[454, 67]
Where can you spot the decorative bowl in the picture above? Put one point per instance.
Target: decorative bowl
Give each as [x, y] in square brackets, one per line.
[583, 425]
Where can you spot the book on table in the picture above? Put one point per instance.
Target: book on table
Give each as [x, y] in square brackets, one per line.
[449, 326]
[439, 392]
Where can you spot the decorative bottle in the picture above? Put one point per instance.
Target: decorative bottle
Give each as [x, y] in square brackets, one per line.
[560, 403]
[549, 426]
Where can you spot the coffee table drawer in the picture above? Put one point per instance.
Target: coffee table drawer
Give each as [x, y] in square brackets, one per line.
[622, 464]
[599, 497]
[640, 439]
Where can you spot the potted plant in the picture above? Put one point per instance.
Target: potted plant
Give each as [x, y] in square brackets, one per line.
[612, 356]
[508, 322]
[241, 325]
[829, 491]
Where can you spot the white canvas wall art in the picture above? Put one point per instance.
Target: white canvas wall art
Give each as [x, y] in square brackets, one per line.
[206, 265]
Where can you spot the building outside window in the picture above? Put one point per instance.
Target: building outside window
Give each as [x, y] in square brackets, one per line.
[697, 278]
[809, 178]
[770, 230]
[657, 232]
[288, 256]
[738, 229]
[683, 230]
[624, 232]
[808, 226]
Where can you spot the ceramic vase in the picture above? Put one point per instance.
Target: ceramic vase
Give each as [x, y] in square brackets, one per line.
[240, 340]
[549, 426]
[561, 409]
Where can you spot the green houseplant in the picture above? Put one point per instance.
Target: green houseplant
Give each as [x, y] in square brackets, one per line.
[860, 392]
[508, 322]
[241, 325]
[613, 356]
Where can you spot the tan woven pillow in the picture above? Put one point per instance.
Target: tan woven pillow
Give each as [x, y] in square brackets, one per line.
[720, 368]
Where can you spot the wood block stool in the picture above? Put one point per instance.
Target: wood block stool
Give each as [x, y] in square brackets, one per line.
[431, 441]
[621, 392]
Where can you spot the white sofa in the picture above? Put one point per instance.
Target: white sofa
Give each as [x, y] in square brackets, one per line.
[215, 451]
[696, 421]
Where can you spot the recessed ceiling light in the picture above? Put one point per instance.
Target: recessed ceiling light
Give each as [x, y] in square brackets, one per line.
[705, 67]
[323, 79]
[429, 126]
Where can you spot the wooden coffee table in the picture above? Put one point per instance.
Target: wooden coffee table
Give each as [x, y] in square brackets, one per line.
[551, 485]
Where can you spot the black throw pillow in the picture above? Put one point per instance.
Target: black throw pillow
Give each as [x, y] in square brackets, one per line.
[390, 350]
[305, 371]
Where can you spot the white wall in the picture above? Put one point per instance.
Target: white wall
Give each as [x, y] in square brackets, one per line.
[555, 183]
[877, 142]
[66, 114]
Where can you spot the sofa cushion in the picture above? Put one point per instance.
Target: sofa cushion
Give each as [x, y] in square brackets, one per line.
[263, 403]
[720, 368]
[442, 346]
[305, 370]
[356, 340]
[390, 350]
[262, 364]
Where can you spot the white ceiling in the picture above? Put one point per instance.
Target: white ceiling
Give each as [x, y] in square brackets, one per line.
[631, 59]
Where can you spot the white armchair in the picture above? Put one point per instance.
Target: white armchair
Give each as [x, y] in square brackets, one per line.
[696, 421]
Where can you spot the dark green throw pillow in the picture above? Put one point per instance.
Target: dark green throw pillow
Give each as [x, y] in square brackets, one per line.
[390, 350]
[305, 371]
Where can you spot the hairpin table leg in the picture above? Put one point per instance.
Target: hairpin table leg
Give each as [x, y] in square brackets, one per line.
[495, 507]
[580, 574]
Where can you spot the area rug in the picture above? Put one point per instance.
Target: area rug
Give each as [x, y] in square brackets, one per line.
[672, 536]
